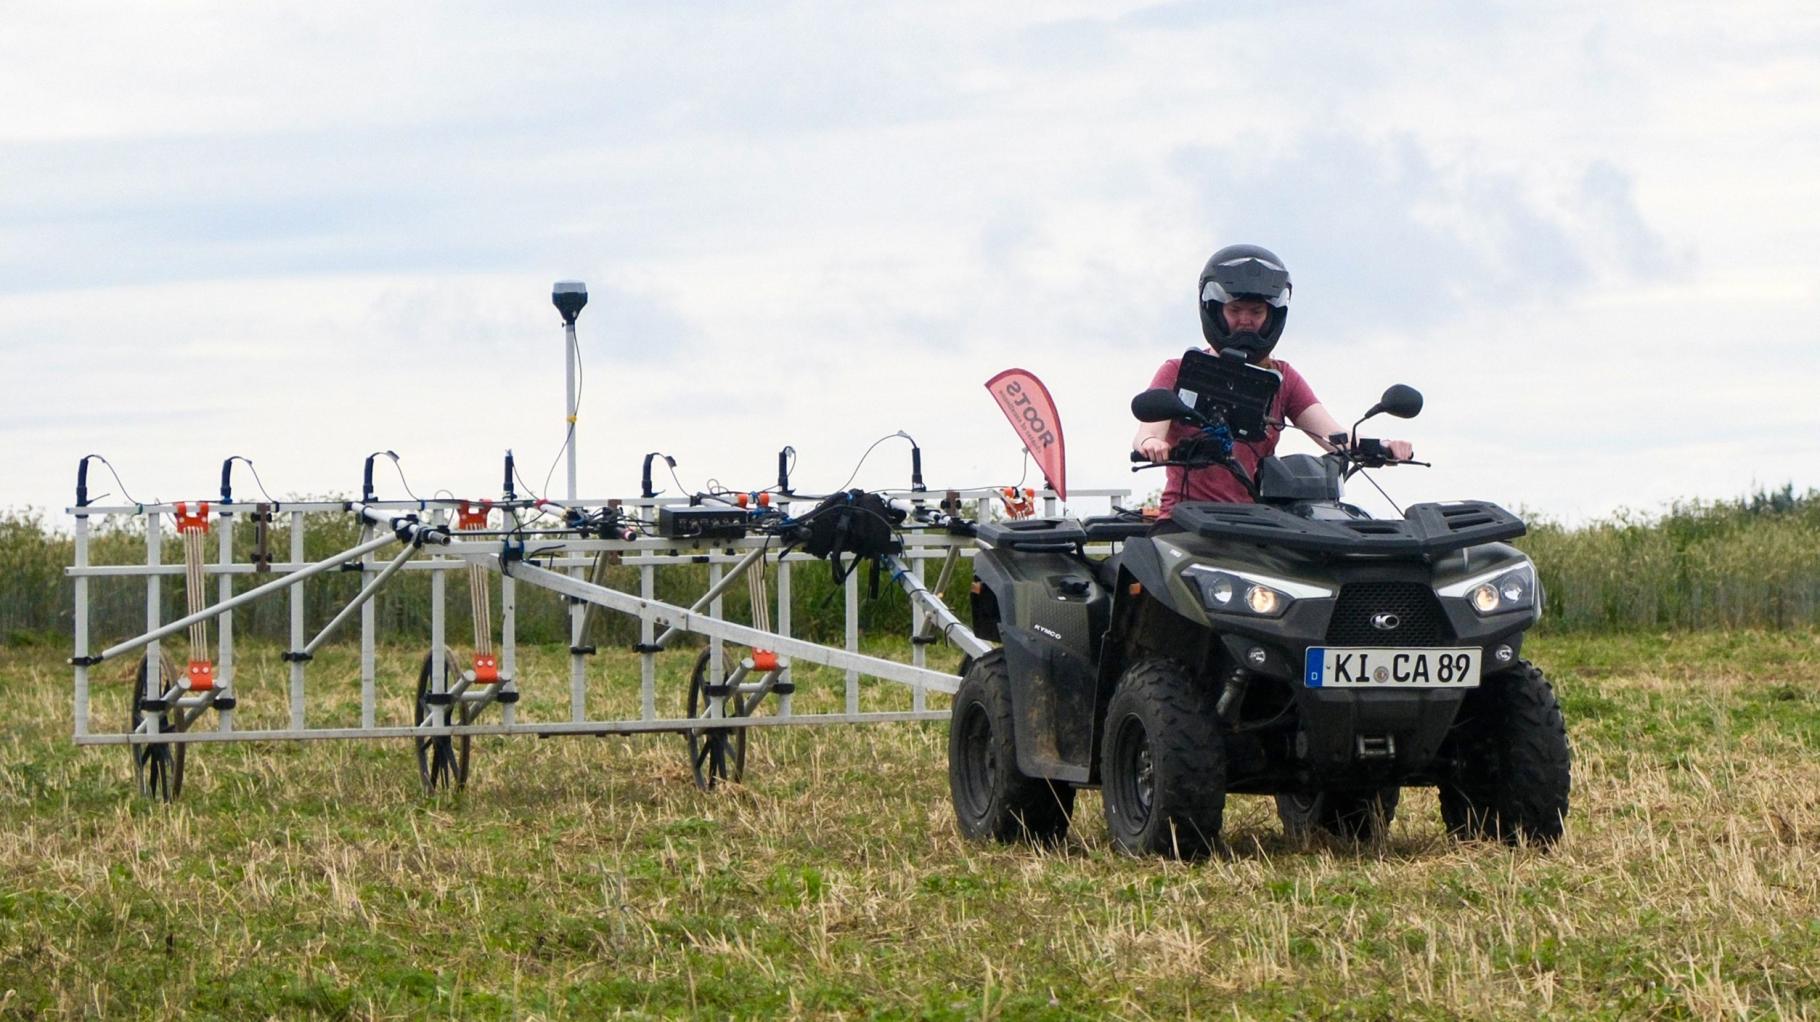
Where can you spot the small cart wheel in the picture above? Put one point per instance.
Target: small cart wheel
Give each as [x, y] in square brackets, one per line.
[442, 760]
[715, 753]
[157, 767]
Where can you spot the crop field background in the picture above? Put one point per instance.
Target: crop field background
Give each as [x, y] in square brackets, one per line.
[587, 877]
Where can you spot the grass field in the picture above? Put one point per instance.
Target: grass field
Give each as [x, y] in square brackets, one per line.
[587, 878]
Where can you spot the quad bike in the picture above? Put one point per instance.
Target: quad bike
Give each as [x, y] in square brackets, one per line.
[1293, 647]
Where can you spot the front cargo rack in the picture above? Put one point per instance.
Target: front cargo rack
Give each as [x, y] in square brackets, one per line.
[1424, 529]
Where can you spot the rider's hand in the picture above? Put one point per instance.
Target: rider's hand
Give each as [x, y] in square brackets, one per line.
[1400, 450]
[1154, 448]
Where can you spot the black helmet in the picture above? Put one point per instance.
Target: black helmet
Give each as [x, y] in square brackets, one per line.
[1244, 271]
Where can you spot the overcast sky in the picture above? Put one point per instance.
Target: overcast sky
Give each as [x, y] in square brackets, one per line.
[300, 234]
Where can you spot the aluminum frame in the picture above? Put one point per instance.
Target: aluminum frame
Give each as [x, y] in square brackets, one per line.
[560, 561]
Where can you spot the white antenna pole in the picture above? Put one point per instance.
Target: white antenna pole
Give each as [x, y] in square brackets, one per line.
[569, 296]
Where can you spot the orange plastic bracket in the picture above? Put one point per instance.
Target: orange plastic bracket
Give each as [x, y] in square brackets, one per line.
[202, 675]
[192, 521]
[486, 669]
[473, 516]
[764, 660]
[1018, 504]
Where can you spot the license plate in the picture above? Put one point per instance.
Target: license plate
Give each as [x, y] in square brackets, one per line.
[1331, 667]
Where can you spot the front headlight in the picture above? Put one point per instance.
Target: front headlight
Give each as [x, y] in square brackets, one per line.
[1236, 592]
[1498, 591]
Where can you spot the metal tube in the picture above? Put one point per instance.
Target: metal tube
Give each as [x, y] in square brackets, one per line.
[851, 590]
[647, 661]
[918, 650]
[154, 659]
[720, 585]
[367, 592]
[797, 649]
[508, 644]
[439, 653]
[297, 624]
[81, 623]
[224, 627]
[369, 639]
[941, 585]
[592, 727]
[569, 349]
[716, 650]
[784, 602]
[953, 629]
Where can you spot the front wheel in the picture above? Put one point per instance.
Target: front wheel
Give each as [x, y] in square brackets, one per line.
[1163, 763]
[1513, 764]
[993, 800]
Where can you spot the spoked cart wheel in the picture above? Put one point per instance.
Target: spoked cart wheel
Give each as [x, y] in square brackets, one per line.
[715, 753]
[442, 760]
[157, 767]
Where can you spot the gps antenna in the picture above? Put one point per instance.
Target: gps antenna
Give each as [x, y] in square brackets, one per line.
[569, 296]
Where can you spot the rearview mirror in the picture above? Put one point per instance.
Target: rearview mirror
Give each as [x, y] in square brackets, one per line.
[1402, 401]
[1160, 405]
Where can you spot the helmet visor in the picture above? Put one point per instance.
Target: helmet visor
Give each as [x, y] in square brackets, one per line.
[1247, 277]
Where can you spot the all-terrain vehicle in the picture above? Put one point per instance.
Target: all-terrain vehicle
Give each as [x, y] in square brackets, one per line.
[1293, 647]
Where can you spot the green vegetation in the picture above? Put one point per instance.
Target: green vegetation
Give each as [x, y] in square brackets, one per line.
[1750, 563]
[586, 878]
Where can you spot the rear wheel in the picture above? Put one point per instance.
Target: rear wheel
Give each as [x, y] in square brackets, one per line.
[1362, 816]
[1163, 763]
[993, 800]
[1514, 766]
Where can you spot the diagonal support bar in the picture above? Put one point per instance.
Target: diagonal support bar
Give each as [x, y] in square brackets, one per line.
[255, 593]
[733, 575]
[692, 621]
[366, 593]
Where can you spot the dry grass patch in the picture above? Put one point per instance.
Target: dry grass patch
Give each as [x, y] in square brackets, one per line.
[582, 877]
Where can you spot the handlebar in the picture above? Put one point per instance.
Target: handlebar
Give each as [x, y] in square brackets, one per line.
[1367, 452]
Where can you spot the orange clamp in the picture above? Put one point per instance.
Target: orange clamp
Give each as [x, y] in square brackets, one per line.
[486, 669]
[202, 676]
[764, 660]
[192, 521]
[473, 516]
[1018, 505]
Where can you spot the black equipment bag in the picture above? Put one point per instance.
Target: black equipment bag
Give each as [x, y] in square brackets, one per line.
[855, 523]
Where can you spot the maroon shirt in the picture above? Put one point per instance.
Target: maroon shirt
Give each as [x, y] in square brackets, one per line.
[1216, 482]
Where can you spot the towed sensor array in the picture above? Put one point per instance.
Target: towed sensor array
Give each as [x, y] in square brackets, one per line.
[260, 552]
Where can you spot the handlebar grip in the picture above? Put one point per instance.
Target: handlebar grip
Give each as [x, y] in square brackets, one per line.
[1136, 456]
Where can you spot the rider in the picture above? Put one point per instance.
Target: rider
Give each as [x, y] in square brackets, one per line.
[1245, 293]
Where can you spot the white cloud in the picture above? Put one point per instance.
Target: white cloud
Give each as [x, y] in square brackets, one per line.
[320, 231]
